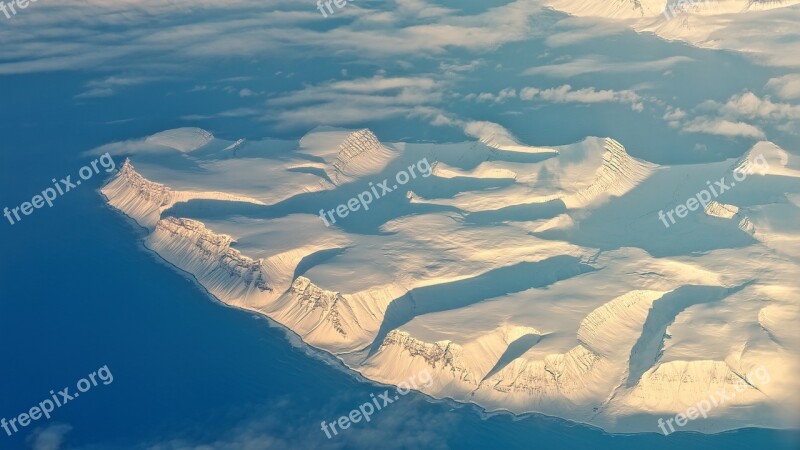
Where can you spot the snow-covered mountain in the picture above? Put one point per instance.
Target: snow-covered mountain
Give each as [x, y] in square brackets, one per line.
[626, 9]
[522, 279]
[742, 25]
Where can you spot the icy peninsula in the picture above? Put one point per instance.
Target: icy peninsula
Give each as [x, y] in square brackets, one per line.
[523, 279]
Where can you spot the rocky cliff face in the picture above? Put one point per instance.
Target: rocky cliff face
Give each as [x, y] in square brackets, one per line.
[444, 355]
[360, 154]
[331, 306]
[137, 197]
[227, 273]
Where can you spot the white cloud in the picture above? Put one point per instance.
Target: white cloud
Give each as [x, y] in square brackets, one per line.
[380, 84]
[750, 106]
[471, 66]
[786, 87]
[111, 85]
[580, 29]
[565, 94]
[58, 37]
[421, 9]
[238, 112]
[597, 64]
[274, 429]
[48, 438]
[722, 127]
[500, 97]
[674, 114]
[355, 101]
[743, 115]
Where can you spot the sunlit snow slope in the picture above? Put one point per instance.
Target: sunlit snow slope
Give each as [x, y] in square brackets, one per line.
[763, 28]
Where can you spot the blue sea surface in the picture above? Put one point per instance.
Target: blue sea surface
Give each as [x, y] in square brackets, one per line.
[78, 291]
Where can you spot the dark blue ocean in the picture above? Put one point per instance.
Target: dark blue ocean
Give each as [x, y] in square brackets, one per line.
[78, 292]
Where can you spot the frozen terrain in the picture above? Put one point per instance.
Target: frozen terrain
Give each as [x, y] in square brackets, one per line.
[523, 279]
[725, 24]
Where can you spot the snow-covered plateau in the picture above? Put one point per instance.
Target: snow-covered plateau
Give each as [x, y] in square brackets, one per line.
[523, 281]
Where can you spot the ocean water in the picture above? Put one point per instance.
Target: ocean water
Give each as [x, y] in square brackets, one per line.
[78, 291]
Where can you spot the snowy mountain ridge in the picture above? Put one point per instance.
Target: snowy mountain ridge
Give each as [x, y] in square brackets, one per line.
[506, 277]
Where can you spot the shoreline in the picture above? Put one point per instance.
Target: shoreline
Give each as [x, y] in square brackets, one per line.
[337, 363]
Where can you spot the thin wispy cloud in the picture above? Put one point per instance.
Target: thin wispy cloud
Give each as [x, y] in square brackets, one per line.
[231, 113]
[500, 97]
[581, 29]
[50, 437]
[566, 94]
[353, 101]
[110, 86]
[94, 33]
[597, 64]
[722, 127]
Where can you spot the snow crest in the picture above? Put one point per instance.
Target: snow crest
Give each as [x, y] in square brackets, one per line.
[617, 175]
[137, 197]
[360, 154]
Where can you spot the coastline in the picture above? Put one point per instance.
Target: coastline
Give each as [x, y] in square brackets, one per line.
[334, 361]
